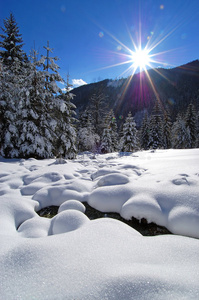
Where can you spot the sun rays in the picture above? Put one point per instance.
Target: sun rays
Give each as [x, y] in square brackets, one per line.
[141, 53]
[140, 58]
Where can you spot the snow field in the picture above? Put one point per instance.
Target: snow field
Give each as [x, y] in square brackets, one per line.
[71, 257]
[161, 186]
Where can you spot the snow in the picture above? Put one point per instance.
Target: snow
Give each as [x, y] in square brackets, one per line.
[72, 204]
[72, 257]
[68, 220]
[115, 83]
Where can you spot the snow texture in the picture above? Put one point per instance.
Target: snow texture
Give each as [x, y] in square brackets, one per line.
[72, 257]
[72, 204]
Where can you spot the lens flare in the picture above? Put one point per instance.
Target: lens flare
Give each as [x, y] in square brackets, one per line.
[119, 48]
[101, 34]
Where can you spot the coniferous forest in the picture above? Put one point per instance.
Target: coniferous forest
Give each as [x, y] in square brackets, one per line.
[38, 119]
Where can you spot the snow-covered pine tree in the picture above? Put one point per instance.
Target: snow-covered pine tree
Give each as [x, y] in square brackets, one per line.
[98, 110]
[144, 133]
[114, 130]
[167, 124]
[33, 141]
[197, 130]
[12, 42]
[84, 118]
[65, 145]
[13, 75]
[106, 141]
[50, 69]
[87, 138]
[180, 134]
[2, 95]
[109, 141]
[9, 104]
[156, 128]
[49, 121]
[190, 122]
[129, 140]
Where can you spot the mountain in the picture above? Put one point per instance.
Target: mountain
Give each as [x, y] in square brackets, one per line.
[175, 88]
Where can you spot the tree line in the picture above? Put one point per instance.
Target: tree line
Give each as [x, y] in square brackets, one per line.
[38, 119]
[157, 131]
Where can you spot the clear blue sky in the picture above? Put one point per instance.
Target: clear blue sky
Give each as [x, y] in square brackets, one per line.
[90, 35]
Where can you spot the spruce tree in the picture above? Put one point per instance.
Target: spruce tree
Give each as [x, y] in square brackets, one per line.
[13, 76]
[50, 69]
[145, 133]
[167, 124]
[180, 134]
[87, 138]
[190, 122]
[32, 140]
[2, 100]
[10, 105]
[48, 118]
[66, 135]
[129, 140]
[114, 131]
[12, 42]
[156, 128]
[110, 133]
[106, 141]
[84, 118]
[197, 130]
[98, 111]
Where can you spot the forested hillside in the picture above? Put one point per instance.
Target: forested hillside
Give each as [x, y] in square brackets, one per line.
[176, 88]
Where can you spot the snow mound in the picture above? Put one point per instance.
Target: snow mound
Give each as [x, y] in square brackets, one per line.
[56, 195]
[133, 169]
[68, 220]
[47, 177]
[35, 227]
[110, 198]
[183, 219]
[32, 188]
[102, 172]
[143, 206]
[72, 204]
[113, 179]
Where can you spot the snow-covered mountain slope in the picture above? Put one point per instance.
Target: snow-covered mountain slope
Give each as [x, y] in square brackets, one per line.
[72, 257]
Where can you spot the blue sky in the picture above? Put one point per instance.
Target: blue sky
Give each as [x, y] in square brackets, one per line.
[90, 36]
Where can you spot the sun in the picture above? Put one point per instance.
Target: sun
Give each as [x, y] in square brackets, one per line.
[141, 58]
[140, 55]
